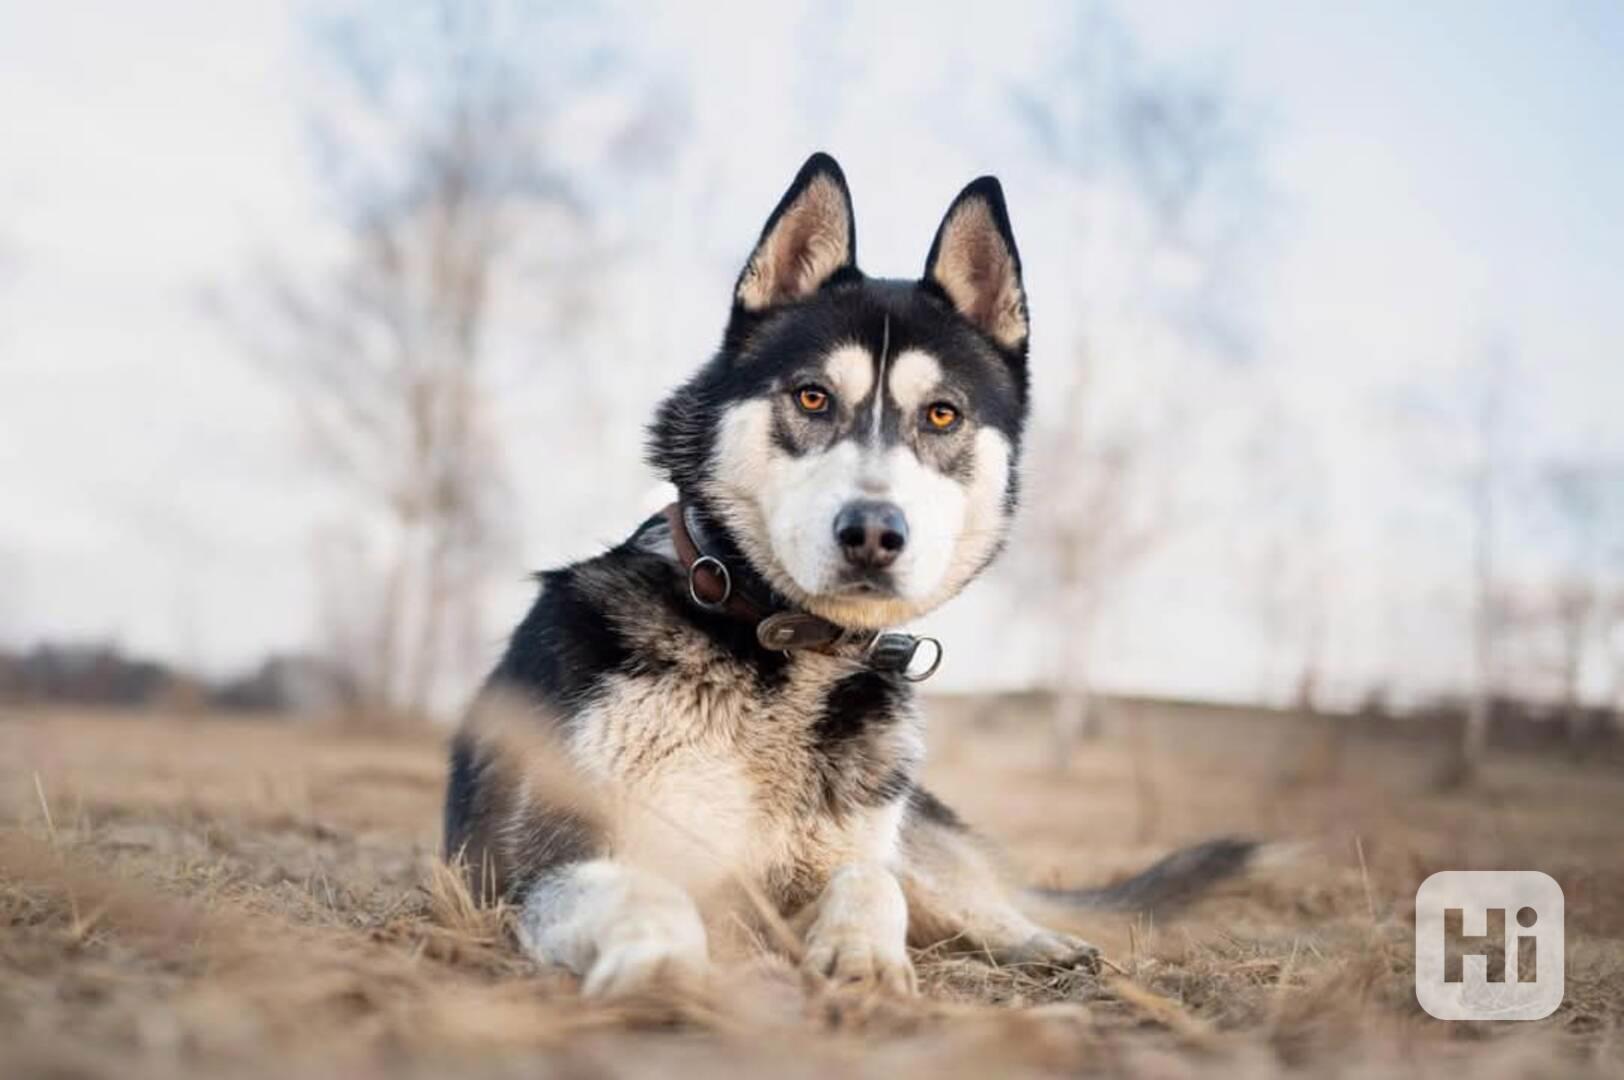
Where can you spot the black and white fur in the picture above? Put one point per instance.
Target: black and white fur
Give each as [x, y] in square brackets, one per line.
[705, 766]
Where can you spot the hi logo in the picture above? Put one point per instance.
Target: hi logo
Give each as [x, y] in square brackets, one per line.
[1489, 945]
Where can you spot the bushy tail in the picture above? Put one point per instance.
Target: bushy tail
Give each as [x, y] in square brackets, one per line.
[1169, 884]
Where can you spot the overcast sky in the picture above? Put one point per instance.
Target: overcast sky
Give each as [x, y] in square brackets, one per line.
[1439, 176]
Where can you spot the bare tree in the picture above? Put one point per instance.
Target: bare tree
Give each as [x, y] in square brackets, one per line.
[1613, 638]
[429, 140]
[15, 599]
[1108, 504]
[1573, 607]
[1175, 157]
[1485, 477]
[1285, 556]
[1586, 499]
[13, 580]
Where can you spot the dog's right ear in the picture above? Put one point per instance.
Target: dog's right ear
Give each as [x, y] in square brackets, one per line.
[809, 238]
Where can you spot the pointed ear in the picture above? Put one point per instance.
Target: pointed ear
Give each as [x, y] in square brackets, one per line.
[808, 238]
[973, 260]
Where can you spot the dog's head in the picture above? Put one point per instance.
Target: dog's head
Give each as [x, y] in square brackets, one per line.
[857, 437]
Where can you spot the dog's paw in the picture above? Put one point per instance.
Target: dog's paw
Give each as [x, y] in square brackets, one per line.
[859, 939]
[852, 960]
[650, 951]
[1053, 948]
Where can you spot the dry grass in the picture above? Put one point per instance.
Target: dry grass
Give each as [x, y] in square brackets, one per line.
[199, 897]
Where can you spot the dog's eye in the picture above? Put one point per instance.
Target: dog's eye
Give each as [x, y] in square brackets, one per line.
[942, 416]
[812, 399]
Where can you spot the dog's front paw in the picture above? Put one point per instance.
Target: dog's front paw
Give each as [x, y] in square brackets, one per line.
[656, 950]
[850, 959]
[860, 936]
[1053, 948]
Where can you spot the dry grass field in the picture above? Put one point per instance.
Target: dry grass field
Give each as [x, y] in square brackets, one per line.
[210, 897]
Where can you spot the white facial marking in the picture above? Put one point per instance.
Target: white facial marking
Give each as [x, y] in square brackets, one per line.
[877, 409]
[934, 505]
[914, 375]
[984, 514]
[782, 507]
[850, 371]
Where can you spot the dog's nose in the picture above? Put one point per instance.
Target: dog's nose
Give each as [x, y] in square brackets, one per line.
[871, 533]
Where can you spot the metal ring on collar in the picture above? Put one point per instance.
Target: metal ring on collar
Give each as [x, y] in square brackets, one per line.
[720, 569]
[935, 662]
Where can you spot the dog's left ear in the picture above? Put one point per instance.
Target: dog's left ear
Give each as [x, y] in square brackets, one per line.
[810, 236]
[974, 262]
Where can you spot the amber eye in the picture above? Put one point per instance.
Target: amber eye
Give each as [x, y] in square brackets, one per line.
[942, 416]
[812, 399]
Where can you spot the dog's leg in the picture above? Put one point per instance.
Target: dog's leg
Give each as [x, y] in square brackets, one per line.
[620, 928]
[858, 932]
[957, 894]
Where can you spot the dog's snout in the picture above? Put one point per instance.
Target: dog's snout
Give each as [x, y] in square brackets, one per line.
[871, 533]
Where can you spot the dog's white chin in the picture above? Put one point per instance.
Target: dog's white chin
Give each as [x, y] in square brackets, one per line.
[818, 589]
[879, 608]
[864, 612]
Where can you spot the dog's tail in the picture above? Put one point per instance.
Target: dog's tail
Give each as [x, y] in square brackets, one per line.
[1170, 883]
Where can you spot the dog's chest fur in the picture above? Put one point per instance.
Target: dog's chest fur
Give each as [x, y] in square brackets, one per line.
[722, 763]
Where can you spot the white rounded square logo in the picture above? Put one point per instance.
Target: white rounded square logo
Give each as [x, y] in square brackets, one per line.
[1489, 945]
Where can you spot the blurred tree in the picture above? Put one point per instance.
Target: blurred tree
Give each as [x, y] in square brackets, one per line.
[1108, 503]
[431, 140]
[12, 577]
[1170, 165]
[1586, 499]
[1485, 395]
[1284, 551]
[1536, 622]
[1614, 645]
[12, 597]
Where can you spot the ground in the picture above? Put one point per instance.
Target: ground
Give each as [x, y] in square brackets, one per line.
[198, 895]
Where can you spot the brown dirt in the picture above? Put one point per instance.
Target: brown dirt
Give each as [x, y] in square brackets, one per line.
[197, 897]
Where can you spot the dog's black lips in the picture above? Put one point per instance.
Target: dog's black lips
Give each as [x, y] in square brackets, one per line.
[867, 582]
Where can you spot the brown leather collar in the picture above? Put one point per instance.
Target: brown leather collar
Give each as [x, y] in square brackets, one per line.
[712, 588]
[710, 584]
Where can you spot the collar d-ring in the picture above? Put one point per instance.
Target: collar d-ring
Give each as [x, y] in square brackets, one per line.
[719, 569]
[935, 660]
[893, 651]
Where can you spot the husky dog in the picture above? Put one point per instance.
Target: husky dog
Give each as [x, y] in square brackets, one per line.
[722, 687]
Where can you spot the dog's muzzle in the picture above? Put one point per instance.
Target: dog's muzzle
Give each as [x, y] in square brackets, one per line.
[711, 588]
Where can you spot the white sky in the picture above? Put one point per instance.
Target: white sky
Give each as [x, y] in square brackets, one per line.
[1441, 174]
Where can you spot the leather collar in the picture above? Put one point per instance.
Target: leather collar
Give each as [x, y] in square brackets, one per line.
[711, 587]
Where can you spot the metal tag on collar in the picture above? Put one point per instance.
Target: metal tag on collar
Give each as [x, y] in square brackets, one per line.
[895, 652]
[796, 630]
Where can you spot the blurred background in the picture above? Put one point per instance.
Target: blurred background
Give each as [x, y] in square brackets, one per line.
[322, 325]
